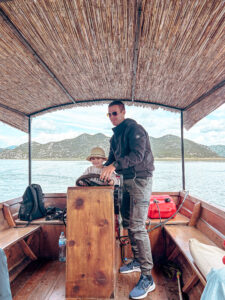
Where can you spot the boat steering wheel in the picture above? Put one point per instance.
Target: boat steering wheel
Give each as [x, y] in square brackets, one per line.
[87, 180]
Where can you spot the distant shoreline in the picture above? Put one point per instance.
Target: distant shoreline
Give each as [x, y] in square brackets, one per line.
[156, 159]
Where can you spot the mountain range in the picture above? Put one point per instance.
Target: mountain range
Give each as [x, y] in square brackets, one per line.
[78, 148]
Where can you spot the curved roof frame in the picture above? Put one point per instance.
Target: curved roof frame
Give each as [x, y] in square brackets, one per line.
[140, 8]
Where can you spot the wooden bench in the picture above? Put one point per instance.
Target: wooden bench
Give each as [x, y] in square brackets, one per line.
[180, 235]
[50, 230]
[10, 236]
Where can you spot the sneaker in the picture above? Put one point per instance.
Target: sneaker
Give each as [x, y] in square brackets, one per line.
[143, 287]
[133, 266]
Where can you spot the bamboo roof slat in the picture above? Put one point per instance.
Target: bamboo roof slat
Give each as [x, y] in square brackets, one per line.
[199, 111]
[181, 50]
[55, 53]
[94, 49]
[14, 119]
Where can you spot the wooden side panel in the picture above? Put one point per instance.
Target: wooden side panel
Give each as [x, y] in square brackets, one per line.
[50, 199]
[157, 244]
[215, 220]
[211, 233]
[187, 213]
[55, 199]
[14, 254]
[90, 265]
[49, 240]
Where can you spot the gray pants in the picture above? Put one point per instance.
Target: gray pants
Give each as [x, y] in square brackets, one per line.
[5, 292]
[134, 210]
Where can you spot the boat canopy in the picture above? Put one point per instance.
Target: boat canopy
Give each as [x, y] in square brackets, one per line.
[61, 54]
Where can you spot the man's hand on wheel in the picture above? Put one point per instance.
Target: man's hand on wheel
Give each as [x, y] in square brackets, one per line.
[107, 173]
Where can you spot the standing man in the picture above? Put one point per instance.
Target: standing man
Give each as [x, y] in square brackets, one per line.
[131, 156]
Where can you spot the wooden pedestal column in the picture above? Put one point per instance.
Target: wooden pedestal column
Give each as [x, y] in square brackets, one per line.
[90, 261]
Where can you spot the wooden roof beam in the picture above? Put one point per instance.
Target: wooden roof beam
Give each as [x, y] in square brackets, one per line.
[136, 48]
[22, 39]
[203, 96]
[13, 110]
[55, 107]
[14, 117]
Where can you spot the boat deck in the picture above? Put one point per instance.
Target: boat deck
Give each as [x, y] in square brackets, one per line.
[44, 280]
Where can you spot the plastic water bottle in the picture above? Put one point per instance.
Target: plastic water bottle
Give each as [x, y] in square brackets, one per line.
[62, 247]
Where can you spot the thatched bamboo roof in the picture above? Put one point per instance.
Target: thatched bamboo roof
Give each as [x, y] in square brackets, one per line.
[56, 54]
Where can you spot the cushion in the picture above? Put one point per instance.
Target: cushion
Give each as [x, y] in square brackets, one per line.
[206, 257]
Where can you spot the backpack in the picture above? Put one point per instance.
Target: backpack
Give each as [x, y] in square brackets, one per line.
[32, 206]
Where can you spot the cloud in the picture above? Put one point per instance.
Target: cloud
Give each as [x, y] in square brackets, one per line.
[65, 124]
[43, 124]
[210, 130]
[45, 137]
[9, 140]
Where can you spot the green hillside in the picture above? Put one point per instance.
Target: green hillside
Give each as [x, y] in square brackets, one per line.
[168, 146]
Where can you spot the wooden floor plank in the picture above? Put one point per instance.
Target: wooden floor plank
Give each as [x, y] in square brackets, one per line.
[31, 283]
[58, 285]
[21, 280]
[48, 283]
[58, 292]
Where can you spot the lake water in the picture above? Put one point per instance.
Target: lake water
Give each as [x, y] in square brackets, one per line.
[204, 179]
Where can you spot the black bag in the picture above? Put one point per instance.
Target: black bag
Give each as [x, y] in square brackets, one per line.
[32, 206]
[55, 213]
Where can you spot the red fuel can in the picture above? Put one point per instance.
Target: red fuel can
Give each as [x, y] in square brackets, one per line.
[162, 203]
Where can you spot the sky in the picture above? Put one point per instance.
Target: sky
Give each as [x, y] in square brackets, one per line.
[68, 124]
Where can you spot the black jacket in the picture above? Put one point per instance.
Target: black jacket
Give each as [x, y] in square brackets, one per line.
[130, 150]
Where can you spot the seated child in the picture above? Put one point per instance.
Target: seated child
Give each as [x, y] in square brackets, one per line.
[97, 157]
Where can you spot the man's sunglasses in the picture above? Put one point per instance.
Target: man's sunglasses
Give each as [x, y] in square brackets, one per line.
[114, 113]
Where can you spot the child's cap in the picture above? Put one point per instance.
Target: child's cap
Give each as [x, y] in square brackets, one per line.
[97, 152]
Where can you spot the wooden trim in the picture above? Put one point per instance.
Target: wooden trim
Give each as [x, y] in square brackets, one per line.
[11, 202]
[19, 268]
[8, 216]
[27, 250]
[190, 283]
[174, 253]
[213, 208]
[215, 220]
[214, 235]
[166, 193]
[186, 212]
[55, 195]
[54, 107]
[195, 214]
[29, 239]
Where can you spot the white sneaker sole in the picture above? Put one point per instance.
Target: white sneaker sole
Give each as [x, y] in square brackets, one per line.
[150, 289]
[131, 271]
